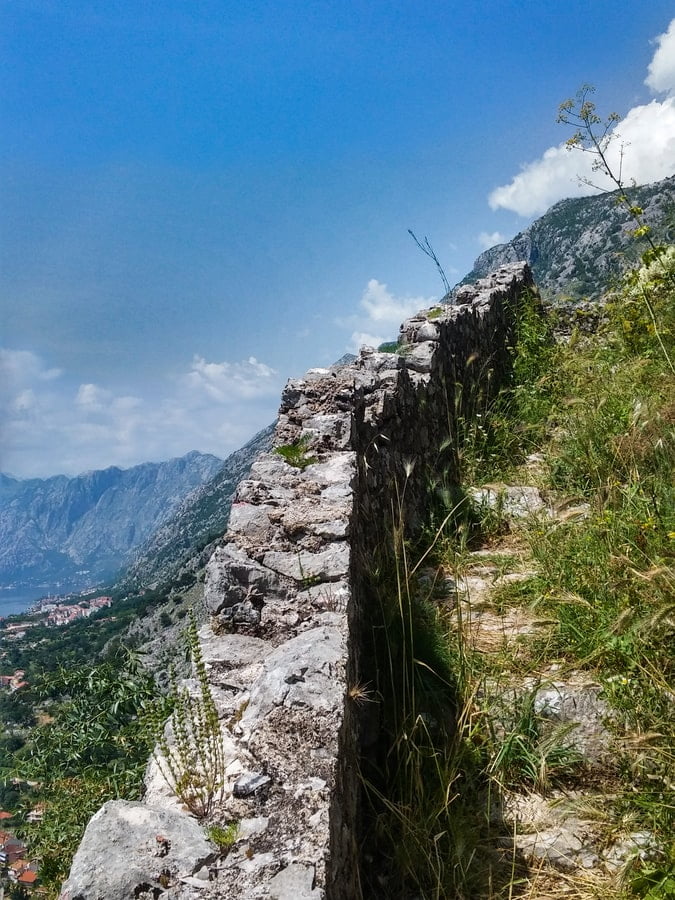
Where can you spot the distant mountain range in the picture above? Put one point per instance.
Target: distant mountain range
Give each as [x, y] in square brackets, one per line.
[80, 531]
[198, 521]
[580, 246]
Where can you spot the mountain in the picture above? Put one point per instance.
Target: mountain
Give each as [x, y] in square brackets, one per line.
[580, 246]
[195, 523]
[78, 531]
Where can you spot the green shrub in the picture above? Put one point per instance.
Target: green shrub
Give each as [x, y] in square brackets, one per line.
[223, 838]
[297, 454]
[643, 313]
[94, 749]
[389, 347]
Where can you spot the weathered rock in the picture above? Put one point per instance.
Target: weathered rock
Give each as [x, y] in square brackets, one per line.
[512, 501]
[128, 848]
[232, 651]
[300, 673]
[564, 847]
[251, 520]
[421, 357]
[477, 586]
[577, 702]
[490, 630]
[236, 583]
[636, 845]
[327, 565]
[331, 429]
[249, 783]
[295, 882]
[586, 255]
[428, 331]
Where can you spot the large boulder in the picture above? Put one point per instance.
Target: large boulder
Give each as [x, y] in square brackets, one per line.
[132, 850]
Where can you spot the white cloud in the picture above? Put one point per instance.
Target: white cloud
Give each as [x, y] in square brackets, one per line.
[24, 400]
[646, 134]
[381, 315]
[19, 365]
[223, 381]
[649, 136]
[381, 306]
[661, 77]
[542, 183]
[92, 398]
[489, 239]
[123, 404]
[49, 427]
[364, 339]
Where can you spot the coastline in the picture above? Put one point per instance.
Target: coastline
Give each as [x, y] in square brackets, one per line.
[14, 603]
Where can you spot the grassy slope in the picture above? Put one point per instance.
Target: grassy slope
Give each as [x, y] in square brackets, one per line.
[599, 413]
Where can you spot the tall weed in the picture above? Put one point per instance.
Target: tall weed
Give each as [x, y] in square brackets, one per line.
[193, 763]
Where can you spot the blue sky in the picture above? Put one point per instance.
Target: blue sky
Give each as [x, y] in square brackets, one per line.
[202, 199]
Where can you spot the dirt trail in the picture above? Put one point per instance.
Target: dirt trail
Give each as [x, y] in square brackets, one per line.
[553, 720]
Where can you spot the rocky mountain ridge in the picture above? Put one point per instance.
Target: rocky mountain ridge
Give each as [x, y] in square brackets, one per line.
[581, 245]
[82, 530]
[185, 541]
[199, 520]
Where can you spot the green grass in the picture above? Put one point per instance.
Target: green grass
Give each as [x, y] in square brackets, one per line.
[495, 434]
[422, 835]
[449, 744]
[608, 580]
[223, 838]
[601, 412]
[524, 753]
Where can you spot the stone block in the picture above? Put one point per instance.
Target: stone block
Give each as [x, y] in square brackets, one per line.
[130, 847]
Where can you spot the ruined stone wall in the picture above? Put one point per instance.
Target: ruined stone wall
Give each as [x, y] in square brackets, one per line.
[286, 596]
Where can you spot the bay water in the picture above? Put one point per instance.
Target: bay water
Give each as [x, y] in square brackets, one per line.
[12, 602]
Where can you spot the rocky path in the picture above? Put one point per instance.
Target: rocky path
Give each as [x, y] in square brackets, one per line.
[550, 720]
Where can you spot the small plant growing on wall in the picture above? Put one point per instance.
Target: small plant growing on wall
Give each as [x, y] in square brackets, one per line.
[193, 764]
[223, 838]
[398, 347]
[389, 347]
[297, 454]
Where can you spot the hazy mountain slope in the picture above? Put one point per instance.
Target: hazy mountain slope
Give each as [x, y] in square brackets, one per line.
[201, 518]
[81, 530]
[183, 543]
[578, 246]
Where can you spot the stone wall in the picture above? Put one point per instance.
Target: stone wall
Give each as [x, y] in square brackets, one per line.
[287, 597]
